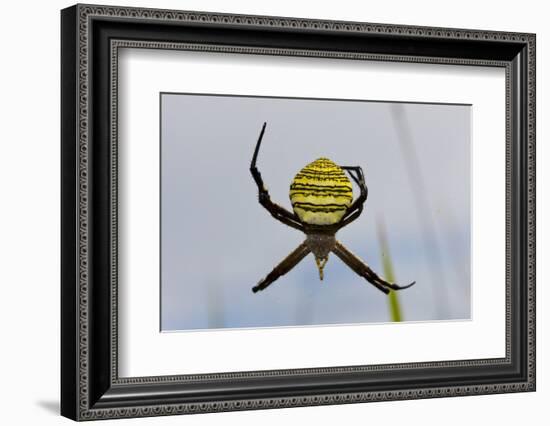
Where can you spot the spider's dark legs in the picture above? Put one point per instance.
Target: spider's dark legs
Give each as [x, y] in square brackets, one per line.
[354, 211]
[363, 270]
[282, 268]
[257, 148]
[278, 212]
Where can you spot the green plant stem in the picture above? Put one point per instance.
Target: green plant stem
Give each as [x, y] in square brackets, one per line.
[389, 275]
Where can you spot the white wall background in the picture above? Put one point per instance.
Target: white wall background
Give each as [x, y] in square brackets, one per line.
[29, 212]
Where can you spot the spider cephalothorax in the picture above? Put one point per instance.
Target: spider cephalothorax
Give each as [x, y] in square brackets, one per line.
[322, 199]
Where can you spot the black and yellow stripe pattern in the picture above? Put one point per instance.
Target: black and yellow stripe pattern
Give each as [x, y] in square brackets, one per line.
[321, 193]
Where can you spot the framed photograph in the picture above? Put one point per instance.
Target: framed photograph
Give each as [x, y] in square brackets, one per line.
[263, 212]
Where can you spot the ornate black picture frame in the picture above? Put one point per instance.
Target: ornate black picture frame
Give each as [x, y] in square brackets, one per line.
[91, 387]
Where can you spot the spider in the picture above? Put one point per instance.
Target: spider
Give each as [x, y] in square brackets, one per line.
[322, 200]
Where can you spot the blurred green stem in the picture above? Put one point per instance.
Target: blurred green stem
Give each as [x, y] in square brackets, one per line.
[395, 307]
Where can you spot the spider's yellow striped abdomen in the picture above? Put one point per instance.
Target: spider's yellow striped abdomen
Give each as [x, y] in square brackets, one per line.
[321, 193]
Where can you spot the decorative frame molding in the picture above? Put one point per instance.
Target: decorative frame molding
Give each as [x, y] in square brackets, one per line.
[91, 37]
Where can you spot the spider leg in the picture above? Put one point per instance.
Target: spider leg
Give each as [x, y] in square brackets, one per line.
[282, 268]
[362, 269]
[278, 212]
[350, 216]
[358, 176]
[356, 208]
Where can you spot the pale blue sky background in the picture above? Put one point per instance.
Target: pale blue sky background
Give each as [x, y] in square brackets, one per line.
[217, 242]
